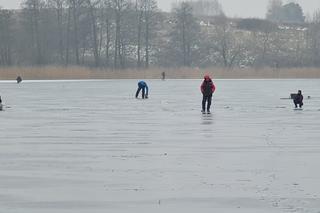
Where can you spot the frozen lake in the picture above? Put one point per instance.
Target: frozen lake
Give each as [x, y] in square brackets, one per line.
[91, 147]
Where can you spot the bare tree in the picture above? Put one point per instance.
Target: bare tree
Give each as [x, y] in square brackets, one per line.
[139, 7]
[145, 11]
[92, 5]
[184, 36]
[313, 41]
[119, 7]
[108, 20]
[133, 33]
[59, 6]
[75, 6]
[68, 36]
[259, 40]
[31, 10]
[226, 43]
[6, 34]
[150, 8]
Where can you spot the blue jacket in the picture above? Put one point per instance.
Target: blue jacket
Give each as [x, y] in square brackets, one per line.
[143, 85]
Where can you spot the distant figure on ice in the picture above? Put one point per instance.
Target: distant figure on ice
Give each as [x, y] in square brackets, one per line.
[207, 89]
[163, 75]
[298, 99]
[1, 104]
[145, 90]
[19, 79]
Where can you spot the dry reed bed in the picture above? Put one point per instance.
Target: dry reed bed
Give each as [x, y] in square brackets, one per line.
[57, 73]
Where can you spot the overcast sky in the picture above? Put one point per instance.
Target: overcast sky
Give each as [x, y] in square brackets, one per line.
[233, 8]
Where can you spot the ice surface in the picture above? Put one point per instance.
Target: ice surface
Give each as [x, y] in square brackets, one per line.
[91, 147]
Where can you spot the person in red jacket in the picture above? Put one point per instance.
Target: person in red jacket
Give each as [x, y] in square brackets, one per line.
[207, 89]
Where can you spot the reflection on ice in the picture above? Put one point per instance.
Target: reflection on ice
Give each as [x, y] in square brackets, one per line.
[207, 119]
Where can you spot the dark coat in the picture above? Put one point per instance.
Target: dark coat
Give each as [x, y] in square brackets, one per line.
[298, 98]
[207, 87]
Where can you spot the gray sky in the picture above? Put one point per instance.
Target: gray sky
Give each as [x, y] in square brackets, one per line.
[233, 8]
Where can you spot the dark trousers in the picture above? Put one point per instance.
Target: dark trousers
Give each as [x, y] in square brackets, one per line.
[204, 100]
[143, 92]
[296, 103]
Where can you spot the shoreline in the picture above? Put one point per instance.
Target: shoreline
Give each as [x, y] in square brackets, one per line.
[83, 73]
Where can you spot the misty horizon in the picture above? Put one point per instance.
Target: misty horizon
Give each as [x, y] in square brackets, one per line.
[232, 8]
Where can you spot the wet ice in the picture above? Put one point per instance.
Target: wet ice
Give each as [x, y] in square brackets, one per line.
[90, 146]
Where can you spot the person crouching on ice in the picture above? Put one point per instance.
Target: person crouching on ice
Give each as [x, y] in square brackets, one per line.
[207, 89]
[145, 90]
[298, 99]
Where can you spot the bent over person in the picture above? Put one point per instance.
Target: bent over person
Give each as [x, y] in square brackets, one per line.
[145, 90]
[207, 89]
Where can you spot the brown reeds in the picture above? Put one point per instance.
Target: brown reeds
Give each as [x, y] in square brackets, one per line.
[59, 73]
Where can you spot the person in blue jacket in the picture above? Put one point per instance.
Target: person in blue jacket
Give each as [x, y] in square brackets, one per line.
[145, 90]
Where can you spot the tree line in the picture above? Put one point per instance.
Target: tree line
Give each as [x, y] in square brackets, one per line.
[120, 34]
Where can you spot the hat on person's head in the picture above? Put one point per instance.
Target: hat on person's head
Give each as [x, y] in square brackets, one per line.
[206, 77]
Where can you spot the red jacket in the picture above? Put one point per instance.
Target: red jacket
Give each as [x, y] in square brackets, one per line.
[207, 87]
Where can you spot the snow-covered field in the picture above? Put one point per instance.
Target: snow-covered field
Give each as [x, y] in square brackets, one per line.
[91, 147]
